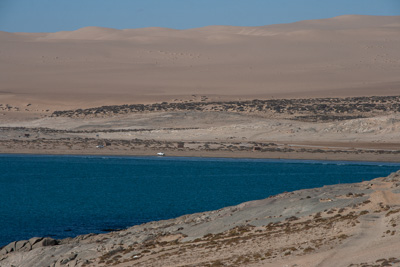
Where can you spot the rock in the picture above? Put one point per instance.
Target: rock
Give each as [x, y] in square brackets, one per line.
[47, 241]
[67, 259]
[23, 246]
[27, 245]
[393, 177]
[34, 240]
[8, 248]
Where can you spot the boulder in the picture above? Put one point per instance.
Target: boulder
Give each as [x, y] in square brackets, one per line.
[68, 259]
[8, 248]
[393, 177]
[47, 241]
[23, 245]
[34, 240]
[27, 245]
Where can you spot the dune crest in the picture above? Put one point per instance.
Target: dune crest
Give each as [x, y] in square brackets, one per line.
[86, 33]
[342, 56]
[345, 22]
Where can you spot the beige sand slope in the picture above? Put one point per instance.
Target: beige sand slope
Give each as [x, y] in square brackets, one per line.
[347, 55]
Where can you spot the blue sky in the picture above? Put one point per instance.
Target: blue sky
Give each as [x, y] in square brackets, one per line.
[58, 15]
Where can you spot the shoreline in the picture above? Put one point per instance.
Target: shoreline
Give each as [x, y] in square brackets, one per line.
[388, 158]
[323, 225]
[284, 160]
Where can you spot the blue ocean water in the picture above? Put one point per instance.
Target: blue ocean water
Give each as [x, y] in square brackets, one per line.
[63, 196]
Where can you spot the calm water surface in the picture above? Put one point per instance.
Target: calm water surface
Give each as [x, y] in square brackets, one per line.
[63, 196]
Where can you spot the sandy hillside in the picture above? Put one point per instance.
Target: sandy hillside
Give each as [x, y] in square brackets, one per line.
[347, 55]
[353, 128]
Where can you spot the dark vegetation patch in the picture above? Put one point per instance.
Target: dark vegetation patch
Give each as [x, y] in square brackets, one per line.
[311, 109]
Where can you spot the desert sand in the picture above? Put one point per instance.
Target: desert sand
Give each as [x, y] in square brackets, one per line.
[324, 89]
[213, 71]
[357, 128]
[337, 57]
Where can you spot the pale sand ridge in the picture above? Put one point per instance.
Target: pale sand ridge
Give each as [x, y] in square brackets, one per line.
[92, 66]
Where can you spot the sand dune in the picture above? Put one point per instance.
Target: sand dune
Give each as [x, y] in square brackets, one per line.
[347, 55]
[87, 33]
[100, 33]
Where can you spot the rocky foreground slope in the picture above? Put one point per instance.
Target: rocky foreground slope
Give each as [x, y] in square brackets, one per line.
[338, 225]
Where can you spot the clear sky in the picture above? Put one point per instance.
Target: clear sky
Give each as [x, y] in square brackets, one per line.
[58, 15]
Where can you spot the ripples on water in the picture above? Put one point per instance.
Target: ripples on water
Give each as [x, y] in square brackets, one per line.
[63, 196]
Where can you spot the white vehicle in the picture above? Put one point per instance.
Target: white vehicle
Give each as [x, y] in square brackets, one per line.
[161, 154]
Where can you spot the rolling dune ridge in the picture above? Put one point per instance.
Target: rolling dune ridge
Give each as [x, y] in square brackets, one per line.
[92, 66]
